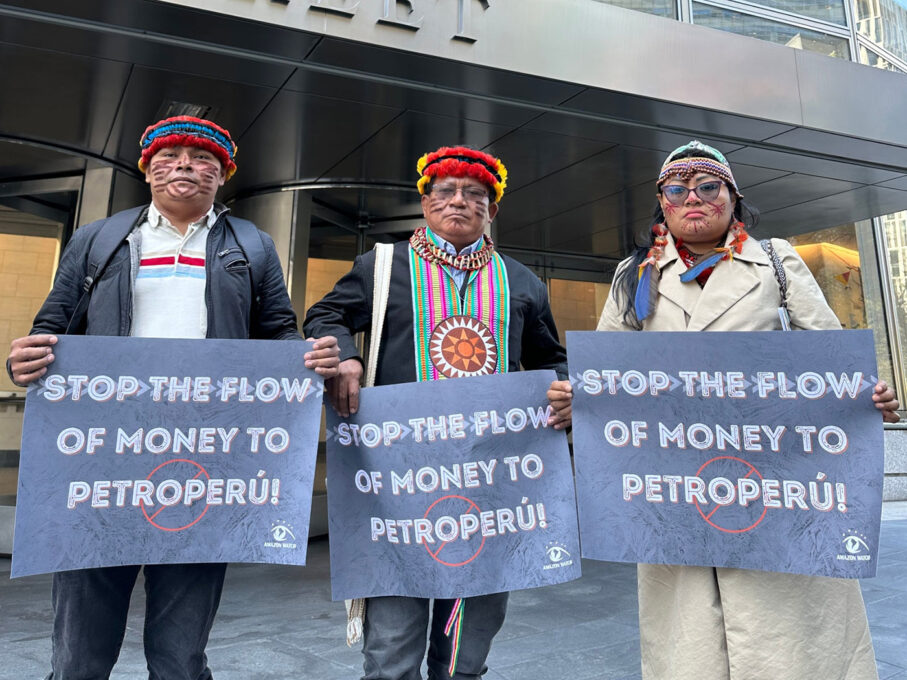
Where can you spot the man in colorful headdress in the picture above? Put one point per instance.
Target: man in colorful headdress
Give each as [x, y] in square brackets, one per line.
[447, 281]
[179, 267]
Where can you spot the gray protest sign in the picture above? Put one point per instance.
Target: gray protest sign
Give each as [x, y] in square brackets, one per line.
[150, 451]
[451, 488]
[753, 450]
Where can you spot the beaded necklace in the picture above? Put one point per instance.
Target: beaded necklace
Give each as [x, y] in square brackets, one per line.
[689, 259]
[707, 261]
[428, 250]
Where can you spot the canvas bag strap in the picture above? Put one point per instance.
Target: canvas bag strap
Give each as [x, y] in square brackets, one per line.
[384, 257]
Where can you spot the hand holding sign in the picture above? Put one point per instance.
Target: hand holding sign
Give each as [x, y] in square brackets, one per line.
[30, 356]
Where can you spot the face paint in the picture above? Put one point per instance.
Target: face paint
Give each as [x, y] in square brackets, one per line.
[459, 219]
[185, 173]
[699, 223]
[693, 227]
[717, 208]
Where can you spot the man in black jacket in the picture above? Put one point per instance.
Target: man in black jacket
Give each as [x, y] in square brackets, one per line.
[181, 271]
[456, 308]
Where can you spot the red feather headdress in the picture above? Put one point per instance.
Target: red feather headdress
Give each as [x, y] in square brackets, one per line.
[461, 161]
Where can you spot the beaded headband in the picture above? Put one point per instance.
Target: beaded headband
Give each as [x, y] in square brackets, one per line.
[461, 161]
[188, 131]
[687, 167]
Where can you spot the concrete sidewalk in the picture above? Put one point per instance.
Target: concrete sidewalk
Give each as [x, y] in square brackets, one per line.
[279, 623]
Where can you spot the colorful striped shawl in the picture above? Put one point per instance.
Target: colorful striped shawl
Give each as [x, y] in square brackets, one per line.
[486, 303]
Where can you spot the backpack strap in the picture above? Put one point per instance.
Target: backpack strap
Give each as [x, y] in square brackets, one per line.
[249, 238]
[781, 278]
[110, 235]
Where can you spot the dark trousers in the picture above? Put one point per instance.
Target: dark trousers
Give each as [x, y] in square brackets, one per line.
[396, 628]
[90, 607]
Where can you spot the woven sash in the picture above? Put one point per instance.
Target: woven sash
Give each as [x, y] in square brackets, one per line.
[454, 335]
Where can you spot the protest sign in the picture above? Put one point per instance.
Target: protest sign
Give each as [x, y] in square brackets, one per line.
[451, 488]
[153, 451]
[753, 450]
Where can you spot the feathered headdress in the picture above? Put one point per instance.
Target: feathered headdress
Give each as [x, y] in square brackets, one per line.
[461, 161]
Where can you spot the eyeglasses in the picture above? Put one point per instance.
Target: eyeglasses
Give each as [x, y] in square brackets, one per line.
[446, 192]
[677, 194]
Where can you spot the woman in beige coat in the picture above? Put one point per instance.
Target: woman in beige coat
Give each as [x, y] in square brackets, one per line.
[702, 272]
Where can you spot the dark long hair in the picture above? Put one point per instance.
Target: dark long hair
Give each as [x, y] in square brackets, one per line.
[626, 280]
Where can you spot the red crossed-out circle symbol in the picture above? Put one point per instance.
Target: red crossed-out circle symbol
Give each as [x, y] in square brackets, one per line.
[708, 517]
[153, 517]
[471, 507]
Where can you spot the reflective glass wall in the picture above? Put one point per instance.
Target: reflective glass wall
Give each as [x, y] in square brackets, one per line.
[871, 32]
[27, 267]
[893, 229]
[884, 24]
[773, 31]
[662, 8]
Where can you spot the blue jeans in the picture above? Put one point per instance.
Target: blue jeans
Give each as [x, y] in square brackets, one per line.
[396, 628]
[90, 608]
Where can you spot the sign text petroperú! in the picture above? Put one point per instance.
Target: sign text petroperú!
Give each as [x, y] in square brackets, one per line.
[400, 13]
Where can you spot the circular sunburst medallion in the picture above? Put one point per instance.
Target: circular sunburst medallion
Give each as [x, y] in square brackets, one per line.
[462, 346]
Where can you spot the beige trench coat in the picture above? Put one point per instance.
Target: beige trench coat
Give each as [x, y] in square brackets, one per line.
[703, 623]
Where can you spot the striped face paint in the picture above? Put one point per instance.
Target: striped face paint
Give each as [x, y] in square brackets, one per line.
[185, 173]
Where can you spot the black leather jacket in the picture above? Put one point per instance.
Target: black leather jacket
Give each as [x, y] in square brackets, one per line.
[228, 290]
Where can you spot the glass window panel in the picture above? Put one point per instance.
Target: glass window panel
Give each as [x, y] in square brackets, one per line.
[576, 305]
[870, 58]
[843, 261]
[9, 477]
[27, 266]
[662, 8]
[833, 257]
[772, 31]
[884, 22]
[331, 255]
[832, 10]
[895, 227]
[320, 277]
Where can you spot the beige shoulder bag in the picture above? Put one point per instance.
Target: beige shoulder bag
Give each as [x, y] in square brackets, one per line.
[384, 255]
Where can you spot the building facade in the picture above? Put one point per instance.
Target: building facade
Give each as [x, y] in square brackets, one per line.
[332, 102]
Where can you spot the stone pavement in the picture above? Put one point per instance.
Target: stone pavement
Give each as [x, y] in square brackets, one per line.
[277, 623]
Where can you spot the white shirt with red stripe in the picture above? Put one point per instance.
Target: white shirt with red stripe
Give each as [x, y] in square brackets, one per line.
[169, 293]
